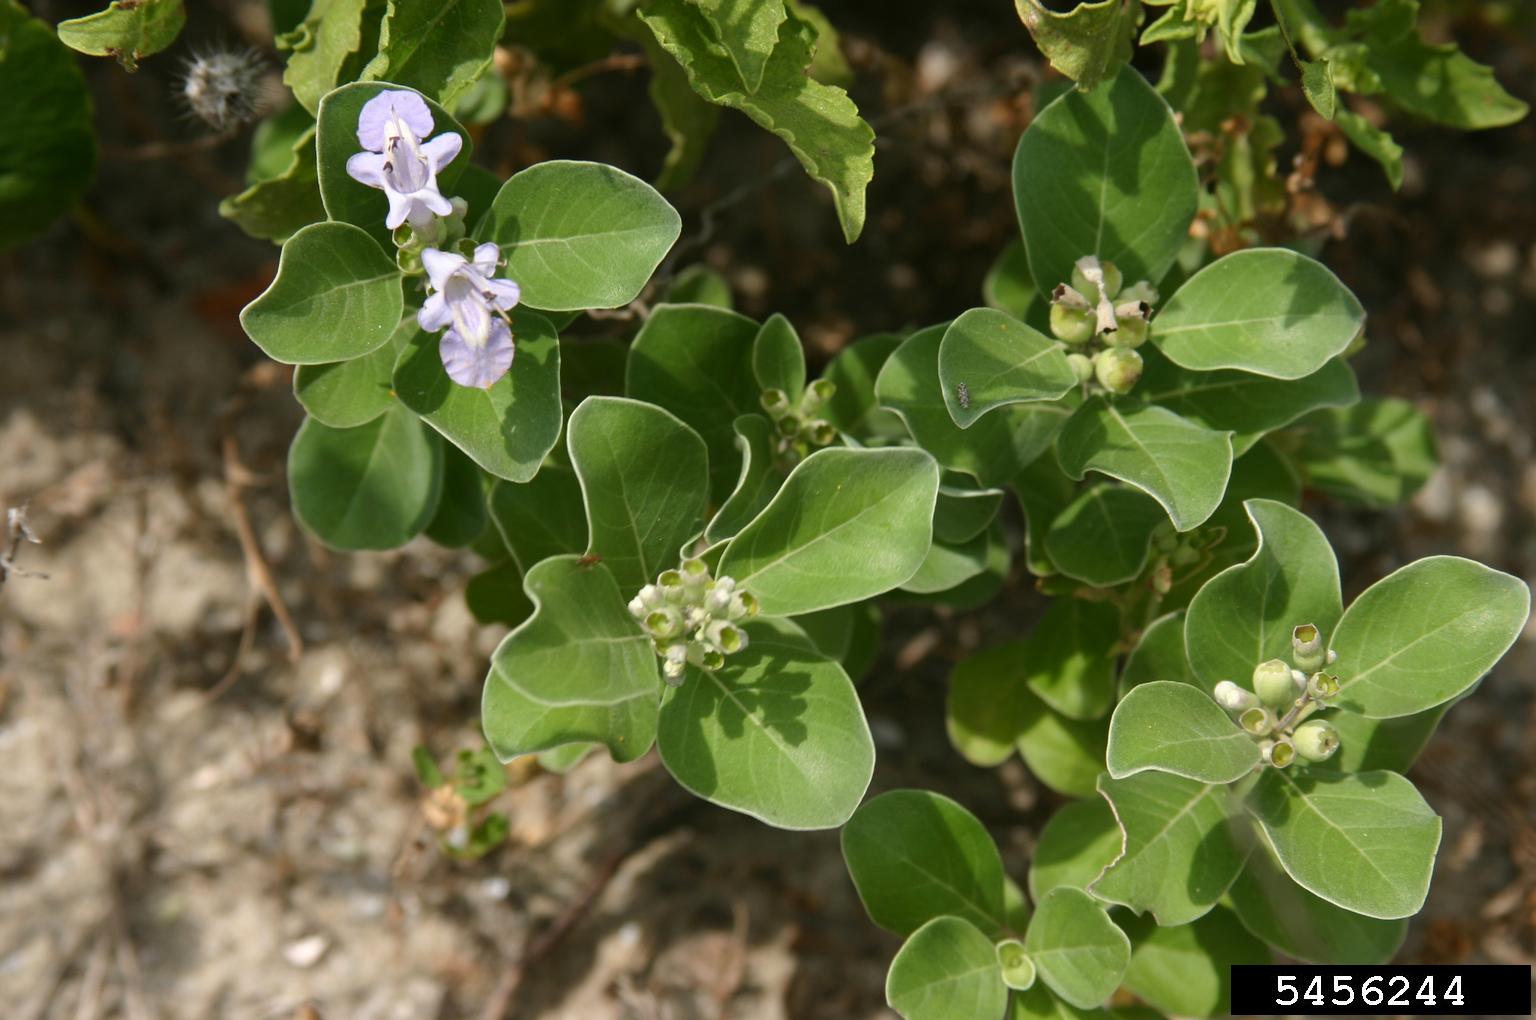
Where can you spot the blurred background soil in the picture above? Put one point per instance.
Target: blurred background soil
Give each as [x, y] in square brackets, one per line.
[194, 824]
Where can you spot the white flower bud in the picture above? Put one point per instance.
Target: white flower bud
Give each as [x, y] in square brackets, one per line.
[675, 663]
[1234, 698]
[775, 401]
[1307, 648]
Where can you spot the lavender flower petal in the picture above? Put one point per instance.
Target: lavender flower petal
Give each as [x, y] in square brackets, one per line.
[477, 367]
[376, 114]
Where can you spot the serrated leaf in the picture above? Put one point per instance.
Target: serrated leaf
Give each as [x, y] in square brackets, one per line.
[778, 360]
[128, 30]
[946, 970]
[542, 517]
[748, 31]
[1248, 405]
[994, 449]
[1365, 842]
[1305, 926]
[1378, 452]
[579, 235]
[1182, 465]
[761, 478]
[1069, 658]
[1186, 970]
[998, 361]
[274, 206]
[819, 123]
[579, 669]
[1375, 142]
[1442, 84]
[687, 118]
[439, 47]
[1244, 615]
[1424, 634]
[1078, 842]
[371, 487]
[847, 524]
[643, 477]
[1077, 950]
[1104, 536]
[1179, 854]
[915, 855]
[696, 361]
[1167, 726]
[319, 48]
[1317, 85]
[507, 428]
[1088, 43]
[1268, 311]
[1081, 175]
[777, 734]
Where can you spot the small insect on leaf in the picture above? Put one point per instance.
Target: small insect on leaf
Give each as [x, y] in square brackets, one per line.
[963, 394]
[588, 559]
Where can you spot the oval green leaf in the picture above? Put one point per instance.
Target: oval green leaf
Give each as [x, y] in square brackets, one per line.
[1104, 536]
[947, 970]
[1167, 726]
[988, 359]
[1078, 951]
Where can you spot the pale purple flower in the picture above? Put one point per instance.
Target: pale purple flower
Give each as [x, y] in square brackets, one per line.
[471, 303]
[392, 126]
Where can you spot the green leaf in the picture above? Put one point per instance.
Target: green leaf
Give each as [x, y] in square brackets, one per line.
[1078, 842]
[1104, 536]
[507, 428]
[350, 201]
[1244, 615]
[1424, 634]
[461, 515]
[1246, 404]
[686, 117]
[1069, 658]
[643, 476]
[273, 207]
[949, 565]
[1305, 926]
[1065, 754]
[1008, 286]
[495, 595]
[748, 31]
[1088, 43]
[994, 449]
[1167, 726]
[372, 487]
[1268, 311]
[1182, 465]
[1378, 453]
[1082, 174]
[947, 970]
[761, 478]
[1038, 1003]
[854, 408]
[1179, 855]
[998, 361]
[849, 634]
[778, 360]
[699, 285]
[345, 394]
[579, 235]
[542, 517]
[915, 855]
[579, 669]
[1078, 951]
[127, 30]
[1187, 970]
[1442, 84]
[778, 734]
[1365, 842]
[1375, 142]
[1391, 744]
[964, 510]
[49, 156]
[438, 47]
[848, 524]
[696, 361]
[1159, 655]
[1317, 85]
[1044, 491]
[319, 49]
[819, 123]
[984, 713]
[983, 563]
[336, 296]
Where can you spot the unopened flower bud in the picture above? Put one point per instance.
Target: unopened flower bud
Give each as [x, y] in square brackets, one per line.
[1273, 684]
[788, 425]
[674, 663]
[1299, 679]
[1117, 369]
[695, 617]
[1071, 325]
[1323, 686]
[775, 401]
[1257, 721]
[1184, 555]
[1333, 657]
[637, 608]
[717, 601]
[726, 636]
[695, 574]
[1234, 698]
[1316, 740]
[1082, 366]
[816, 394]
[1280, 753]
[1307, 648]
[1130, 331]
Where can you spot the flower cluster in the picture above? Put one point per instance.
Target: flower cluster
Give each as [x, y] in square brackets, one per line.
[800, 426]
[465, 297]
[1276, 712]
[1095, 307]
[692, 618]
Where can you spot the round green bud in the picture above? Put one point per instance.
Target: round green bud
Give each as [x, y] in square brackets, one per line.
[1071, 325]
[1234, 698]
[1273, 684]
[1257, 721]
[775, 402]
[1280, 754]
[1184, 555]
[1082, 365]
[1014, 962]
[1316, 740]
[1131, 332]
[1307, 648]
[789, 425]
[1117, 369]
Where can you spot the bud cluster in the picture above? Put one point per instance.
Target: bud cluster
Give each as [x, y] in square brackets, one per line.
[1277, 711]
[692, 618]
[800, 426]
[1105, 321]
